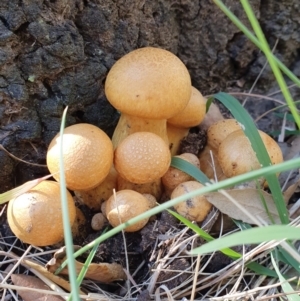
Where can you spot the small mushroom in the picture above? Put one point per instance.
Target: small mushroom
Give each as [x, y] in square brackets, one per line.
[35, 217]
[152, 201]
[173, 177]
[98, 221]
[236, 155]
[178, 126]
[218, 131]
[212, 116]
[210, 165]
[142, 157]
[124, 205]
[87, 154]
[195, 208]
[148, 86]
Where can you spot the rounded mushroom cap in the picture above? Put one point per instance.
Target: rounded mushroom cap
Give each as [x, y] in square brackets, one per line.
[173, 177]
[149, 83]
[142, 157]
[192, 114]
[209, 164]
[87, 153]
[193, 209]
[35, 217]
[123, 206]
[98, 221]
[236, 155]
[218, 131]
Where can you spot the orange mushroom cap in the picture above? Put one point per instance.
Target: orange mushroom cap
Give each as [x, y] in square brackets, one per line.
[87, 154]
[192, 114]
[35, 217]
[142, 157]
[149, 83]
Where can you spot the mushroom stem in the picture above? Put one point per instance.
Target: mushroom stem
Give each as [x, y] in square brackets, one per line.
[128, 125]
[154, 188]
[175, 135]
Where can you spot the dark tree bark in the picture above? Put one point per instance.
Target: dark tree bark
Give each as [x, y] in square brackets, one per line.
[55, 53]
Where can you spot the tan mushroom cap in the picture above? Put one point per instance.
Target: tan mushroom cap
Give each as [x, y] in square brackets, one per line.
[98, 221]
[236, 155]
[193, 209]
[218, 131]
[192, 114]
[142, 157]
[123, 206]
[173, 177]
[88, 156]
[149, 83]
[35, 217]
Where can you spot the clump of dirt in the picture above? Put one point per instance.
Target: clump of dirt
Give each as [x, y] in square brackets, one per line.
[194, 142]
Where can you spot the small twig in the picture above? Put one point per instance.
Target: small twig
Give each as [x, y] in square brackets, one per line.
[18, 159]
[260, 73]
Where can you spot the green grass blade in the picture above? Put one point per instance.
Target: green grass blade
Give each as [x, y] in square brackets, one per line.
[208, 103]
[65, 211]
[13, 193]
[286, 287]
[86, 265]
[254, 39]
[274, 66]
[250, 130]
[242, 225]
[228, 252]
[261, 270]
[291, 164]
[190, 169]
[251, 236]
[288, 259]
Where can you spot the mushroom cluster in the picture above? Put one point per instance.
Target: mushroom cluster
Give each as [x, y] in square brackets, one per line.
[122, 177]
[229, 152]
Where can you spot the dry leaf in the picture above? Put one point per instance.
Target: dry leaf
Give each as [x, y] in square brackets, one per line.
[36, 283]
[289, 192]
[103, 272]
[31, 264]
[250, 199]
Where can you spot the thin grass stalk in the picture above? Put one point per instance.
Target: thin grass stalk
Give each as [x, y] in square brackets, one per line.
[270, 57]
[253, 39]
[66, 218]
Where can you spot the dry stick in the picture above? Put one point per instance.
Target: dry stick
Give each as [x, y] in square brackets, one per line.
[195, 277]
[16, 265]
[125, 244]
[40, 272]
[260, 96]
[238, 281]
[260, 73]
[225, 272]
[252, 291]
[10, 291]
[280, 91]
[157, 270]
[18, 159]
